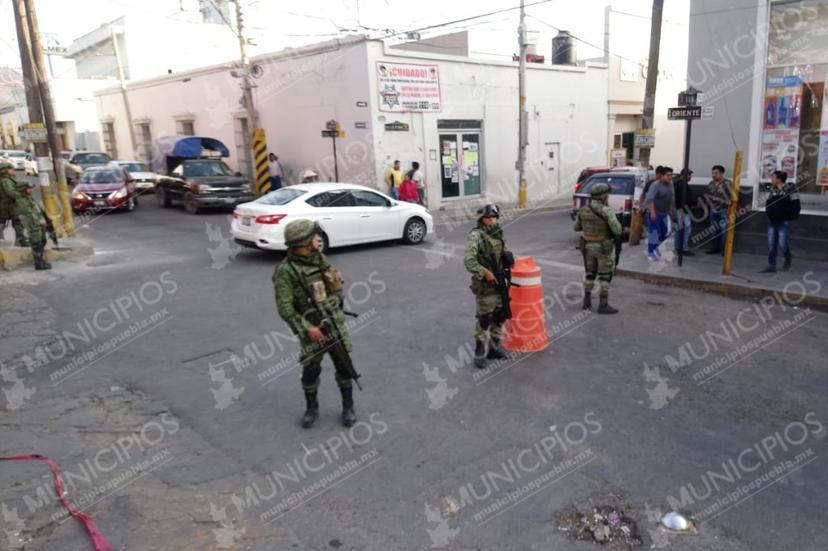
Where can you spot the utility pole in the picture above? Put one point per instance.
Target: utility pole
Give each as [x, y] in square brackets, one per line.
[522, 117]
[247, 86]
[122, 78]
[652, 77]
[67, 223]
[32, 88]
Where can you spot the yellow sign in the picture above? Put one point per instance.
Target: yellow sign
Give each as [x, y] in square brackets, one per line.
[260, 161]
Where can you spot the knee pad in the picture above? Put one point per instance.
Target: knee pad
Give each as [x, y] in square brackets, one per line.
[310, 373]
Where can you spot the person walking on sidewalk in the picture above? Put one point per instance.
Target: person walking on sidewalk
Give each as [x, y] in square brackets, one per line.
[601, 230]
[659, 207]
[718, 201]
[417, 176]
[782, 206]
[393, 179]
[276, 173]
[684, 220]
[309, 293]
[9, 197]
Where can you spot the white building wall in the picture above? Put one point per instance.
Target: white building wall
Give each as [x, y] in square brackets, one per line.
[566, 105]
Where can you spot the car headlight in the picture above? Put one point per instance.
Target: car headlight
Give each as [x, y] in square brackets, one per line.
[247, 188]
[120, 194]
[80, 196]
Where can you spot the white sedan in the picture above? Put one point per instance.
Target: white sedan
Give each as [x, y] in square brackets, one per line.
[347, 214]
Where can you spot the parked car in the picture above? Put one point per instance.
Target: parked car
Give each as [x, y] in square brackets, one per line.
[30, 165]
[623, 194]
[141, 174]
[81, 160]
[16, 157]
[586, 173]
[200, 183]
[104, 188]
[347, 214]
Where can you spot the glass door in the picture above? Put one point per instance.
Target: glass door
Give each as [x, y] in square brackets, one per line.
[460, 164]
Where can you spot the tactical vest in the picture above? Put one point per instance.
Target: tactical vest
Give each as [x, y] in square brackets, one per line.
[595, 228]
[488, 247]
[316, 285]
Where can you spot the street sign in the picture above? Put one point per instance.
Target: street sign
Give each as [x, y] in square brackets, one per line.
[330, 134]
[397, 126]
[33, 132]
[684, 113]
[708, 111]
[332, 125]
[644, 137]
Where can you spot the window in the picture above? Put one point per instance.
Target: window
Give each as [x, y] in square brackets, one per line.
[619, 185]
[207, 168]
[281, 196]
[616, 141]
[185, 128]
[334, 198]
[109, 139]
[364, 198]
[145, 142]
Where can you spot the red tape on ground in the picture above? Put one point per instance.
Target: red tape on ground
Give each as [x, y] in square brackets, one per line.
[100, 541]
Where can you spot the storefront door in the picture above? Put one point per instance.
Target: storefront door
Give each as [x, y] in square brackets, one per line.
[460, 166]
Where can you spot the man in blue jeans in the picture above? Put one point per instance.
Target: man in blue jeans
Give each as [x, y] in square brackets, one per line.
[718, 201]
[781, 206]
[659, 207]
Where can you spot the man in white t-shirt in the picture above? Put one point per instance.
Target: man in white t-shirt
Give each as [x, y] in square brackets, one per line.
[418, 179]
[275, 171]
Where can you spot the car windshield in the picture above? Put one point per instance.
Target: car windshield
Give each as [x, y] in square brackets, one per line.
[619, 185]
[281, 196]
[210, 168]
[135, 167]
[92, 158]
[101, 177]
[17, 154]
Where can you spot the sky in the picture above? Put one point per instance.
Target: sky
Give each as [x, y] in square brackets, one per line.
[276, 24]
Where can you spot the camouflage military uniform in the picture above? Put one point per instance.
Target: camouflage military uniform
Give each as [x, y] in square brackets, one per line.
[298, 281]
[33, 219]
[8, 206]
[601, 228]
[484, 252]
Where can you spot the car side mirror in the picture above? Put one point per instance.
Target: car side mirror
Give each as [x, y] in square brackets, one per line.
[237, 174]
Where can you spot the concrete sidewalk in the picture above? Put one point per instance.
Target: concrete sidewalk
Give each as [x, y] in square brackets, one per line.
[12, 258]
[807, 280]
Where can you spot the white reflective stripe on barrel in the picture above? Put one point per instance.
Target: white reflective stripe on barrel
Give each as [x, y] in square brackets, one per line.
[526, 281]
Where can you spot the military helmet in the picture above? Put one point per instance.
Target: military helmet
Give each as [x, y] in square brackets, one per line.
[21, 185]
[488, 210]
[4, 165]
[599, 190]
[300, 232]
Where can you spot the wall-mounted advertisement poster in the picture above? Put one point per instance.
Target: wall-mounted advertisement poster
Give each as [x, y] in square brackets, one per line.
[780, 137]
[822, 163]
[406, 87]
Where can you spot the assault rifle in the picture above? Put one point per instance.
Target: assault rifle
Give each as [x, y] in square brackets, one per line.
[50, 228]
[504, 281]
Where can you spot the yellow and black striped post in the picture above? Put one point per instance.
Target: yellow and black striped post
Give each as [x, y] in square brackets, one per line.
[260, 161]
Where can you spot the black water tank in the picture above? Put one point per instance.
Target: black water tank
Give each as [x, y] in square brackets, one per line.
[563, 49]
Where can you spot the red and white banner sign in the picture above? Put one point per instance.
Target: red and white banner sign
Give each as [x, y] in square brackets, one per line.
[404, 87]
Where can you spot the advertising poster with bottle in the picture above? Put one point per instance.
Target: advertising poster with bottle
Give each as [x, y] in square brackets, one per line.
[822, 162]
[780, 138]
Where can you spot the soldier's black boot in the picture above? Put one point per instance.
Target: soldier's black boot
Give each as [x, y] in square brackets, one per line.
[21, 241]
[480, 354]
[311, 410]
[40, 262]
[587, 305]
[496, 351]
[348, 414]
[604, 307]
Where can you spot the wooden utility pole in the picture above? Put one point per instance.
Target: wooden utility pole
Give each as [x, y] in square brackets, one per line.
[67, 224]
[522, 117]
[124, 96]
[652, 77]
[731, 212]
[32, 89]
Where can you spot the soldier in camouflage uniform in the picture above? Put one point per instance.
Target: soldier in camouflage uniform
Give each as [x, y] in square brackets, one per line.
[306, 276]
[8, 204]
[601, 228]
[484, 257]
[33, 218]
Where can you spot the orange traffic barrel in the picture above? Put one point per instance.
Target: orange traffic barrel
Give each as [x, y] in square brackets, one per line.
[526, 331]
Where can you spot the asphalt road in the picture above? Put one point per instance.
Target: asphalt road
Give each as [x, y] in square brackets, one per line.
[158, 374]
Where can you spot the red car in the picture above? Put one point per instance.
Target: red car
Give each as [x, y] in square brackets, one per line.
[104, 188]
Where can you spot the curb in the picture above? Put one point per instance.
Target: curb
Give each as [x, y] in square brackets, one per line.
[730, 290]
[13, 258]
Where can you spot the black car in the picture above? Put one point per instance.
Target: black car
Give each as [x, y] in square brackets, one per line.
[201, 183]
[81, 160]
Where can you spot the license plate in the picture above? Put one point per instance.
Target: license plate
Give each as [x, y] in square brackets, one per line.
[100, 203]
[245, 220]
